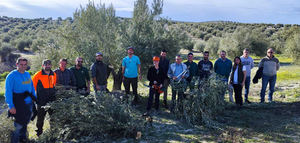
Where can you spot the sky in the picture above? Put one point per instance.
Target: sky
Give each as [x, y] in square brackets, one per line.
[245, 11]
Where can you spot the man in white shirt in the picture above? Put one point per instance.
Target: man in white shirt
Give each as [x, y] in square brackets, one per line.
[247, 61]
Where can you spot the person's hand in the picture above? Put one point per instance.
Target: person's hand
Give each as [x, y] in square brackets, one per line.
[97, 87]
[243, 83]
[13, 110]
[229, 85]
[155, 82]
[160, 85]
[174, 78]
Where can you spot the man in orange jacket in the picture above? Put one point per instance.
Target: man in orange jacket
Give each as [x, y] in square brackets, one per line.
[44, 83]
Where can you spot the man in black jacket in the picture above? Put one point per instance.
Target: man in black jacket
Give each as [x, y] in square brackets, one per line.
[164, 64]
[99, 73]
[205, 66]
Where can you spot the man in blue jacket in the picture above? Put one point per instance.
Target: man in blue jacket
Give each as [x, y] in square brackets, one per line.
[19, 93]
[223, 68]
[178, 72]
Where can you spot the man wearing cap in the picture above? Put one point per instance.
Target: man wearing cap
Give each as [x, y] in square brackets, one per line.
[82, 76]
[44, 82]
[193, 70]
[19, 93]
[99, 73]
[131, 68]
[64, 76]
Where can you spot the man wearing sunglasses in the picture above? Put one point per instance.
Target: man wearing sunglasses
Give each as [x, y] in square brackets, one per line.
[82, 77]
[270, 66]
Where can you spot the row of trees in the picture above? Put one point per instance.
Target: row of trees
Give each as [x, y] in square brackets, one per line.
[96, 28]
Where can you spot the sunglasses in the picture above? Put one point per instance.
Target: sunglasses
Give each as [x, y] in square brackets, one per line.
[80, 61]
[270, 52]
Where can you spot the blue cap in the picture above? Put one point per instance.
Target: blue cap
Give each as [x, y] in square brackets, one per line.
[99, 53]
[130, 47]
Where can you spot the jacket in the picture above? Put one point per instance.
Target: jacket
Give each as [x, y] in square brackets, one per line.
[205, 68]
[240, 74]
[258, 75]
[44, 85]
[155, 75]
[270, 65]
[100, 72]
[193, 70]
[223, 68]
[172, 69]
[65, 77]
[164, 64]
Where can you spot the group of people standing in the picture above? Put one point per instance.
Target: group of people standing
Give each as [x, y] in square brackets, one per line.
[236, 75]
[21, 90]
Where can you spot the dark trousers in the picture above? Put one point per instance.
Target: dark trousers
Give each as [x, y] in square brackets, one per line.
[41, 117]
[190, 84]
[152, 93]
[179, 100]
[133, 82]
[238, 94]
[166, 84]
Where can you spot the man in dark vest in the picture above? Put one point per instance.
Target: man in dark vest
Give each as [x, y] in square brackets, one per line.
[82, 77]
[19, 93]
[99, 73]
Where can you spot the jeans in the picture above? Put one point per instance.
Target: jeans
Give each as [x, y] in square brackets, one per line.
[247, 85]
[20, 130]
[150, 99]
[238, 94]
[265, 80]
[102, 88]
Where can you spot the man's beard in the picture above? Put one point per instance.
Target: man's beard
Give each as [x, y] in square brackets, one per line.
[47, 69]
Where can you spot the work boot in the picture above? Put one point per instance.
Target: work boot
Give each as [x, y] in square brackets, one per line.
[23, 140]
[39, 132]
[135, 100]
[247, 101]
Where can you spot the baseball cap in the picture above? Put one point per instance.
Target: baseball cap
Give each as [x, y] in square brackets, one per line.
[99, 53]
[130, 47]
[46, 62]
